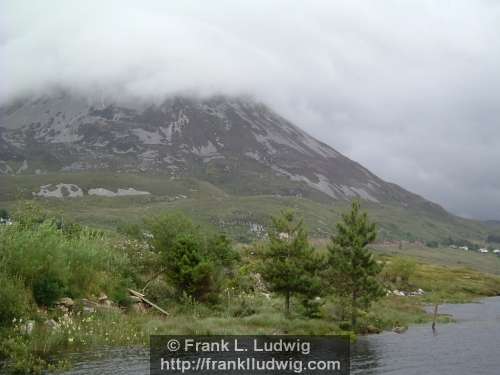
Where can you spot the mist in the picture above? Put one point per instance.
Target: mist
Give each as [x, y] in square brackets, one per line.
[408, 89]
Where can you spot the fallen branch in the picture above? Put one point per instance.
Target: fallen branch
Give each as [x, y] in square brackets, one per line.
[143, 299]
[154, 277]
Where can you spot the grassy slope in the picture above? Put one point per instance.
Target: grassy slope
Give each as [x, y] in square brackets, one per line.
[486, 263]
[208, 204]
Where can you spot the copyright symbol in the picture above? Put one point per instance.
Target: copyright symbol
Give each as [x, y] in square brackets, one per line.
[173, 345]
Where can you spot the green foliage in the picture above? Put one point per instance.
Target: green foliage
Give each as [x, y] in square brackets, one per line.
[188, 268]
[222, 251]
[15, 299]
[243, 307]
[44, 259]
[48, 288]
[353, 270]
[50, 264]
[194, 262]
[399, 270]
[461, 242]
[289, 264]
[131, 230]
[4, 214]
[29, 214]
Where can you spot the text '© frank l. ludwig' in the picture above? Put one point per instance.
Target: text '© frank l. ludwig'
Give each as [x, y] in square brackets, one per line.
[258, 346]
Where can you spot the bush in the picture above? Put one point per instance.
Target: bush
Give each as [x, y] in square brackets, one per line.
[47, 289]
[243, 308]
[15, 299]
[194, 262]
[51, 264]
[4, 214]
[188, 268]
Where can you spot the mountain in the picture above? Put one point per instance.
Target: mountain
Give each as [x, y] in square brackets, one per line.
[232, 142]
[236, 145]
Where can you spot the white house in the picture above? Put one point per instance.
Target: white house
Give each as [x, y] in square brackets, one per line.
[496, 251]
[5, 221]
[483, 250]
[464, 248]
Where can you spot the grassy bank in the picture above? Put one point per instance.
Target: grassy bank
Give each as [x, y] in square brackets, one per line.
[238, 314]
[42, 260]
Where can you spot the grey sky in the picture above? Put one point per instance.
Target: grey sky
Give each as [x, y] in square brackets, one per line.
[410, 89]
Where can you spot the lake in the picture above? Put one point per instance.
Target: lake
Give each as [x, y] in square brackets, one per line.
[470, 346]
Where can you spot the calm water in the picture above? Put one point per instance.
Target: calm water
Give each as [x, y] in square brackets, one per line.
[471, 346]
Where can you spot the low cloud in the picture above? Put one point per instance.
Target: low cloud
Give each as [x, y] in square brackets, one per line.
[409, 89]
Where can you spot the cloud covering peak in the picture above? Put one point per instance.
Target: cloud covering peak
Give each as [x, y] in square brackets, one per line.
[410, 89]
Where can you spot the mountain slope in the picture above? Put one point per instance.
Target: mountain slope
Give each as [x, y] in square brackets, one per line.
[232, 142]
[237, 146]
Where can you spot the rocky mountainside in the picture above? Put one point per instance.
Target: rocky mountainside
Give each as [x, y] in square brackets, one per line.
[234, 143]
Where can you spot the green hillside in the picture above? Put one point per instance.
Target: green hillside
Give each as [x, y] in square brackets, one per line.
[242, 216]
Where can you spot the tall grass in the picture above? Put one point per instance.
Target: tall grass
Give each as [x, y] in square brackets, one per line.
[49, 264]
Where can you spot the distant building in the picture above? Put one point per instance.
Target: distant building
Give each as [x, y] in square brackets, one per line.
[496, 251]
[464, 248]
[483, 251]
[5, 221]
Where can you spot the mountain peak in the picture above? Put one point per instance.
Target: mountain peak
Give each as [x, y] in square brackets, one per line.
[236, 143]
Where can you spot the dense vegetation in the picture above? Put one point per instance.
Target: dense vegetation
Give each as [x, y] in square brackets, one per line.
[207, 284]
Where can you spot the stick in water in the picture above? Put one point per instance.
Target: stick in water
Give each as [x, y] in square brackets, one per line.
[434, 318]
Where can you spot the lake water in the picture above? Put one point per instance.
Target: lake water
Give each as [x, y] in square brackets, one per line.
[470, 346]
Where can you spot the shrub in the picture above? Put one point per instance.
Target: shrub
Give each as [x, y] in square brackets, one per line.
[48, 288]
[15, 299]
[29, 214]
[243, 308]
[193, 262]
[51, 264]
[188, 268]
[4, 214]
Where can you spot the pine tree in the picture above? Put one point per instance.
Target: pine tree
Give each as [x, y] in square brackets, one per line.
[194, 262]
[353, 270]
[289, 264]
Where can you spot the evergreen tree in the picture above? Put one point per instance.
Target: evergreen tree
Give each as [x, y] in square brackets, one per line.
[289, 264]
[194, 262]
[4, 214]
[353, 270]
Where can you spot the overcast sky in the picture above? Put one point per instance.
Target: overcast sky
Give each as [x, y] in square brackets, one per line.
[410, 89]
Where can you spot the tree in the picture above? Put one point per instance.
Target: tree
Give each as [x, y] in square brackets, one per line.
[188, 267]
[353, 270]
[194, 262]
[4, 214]
[289, 264]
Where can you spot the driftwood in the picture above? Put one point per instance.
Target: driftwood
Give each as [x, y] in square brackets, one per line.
[146, 301]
